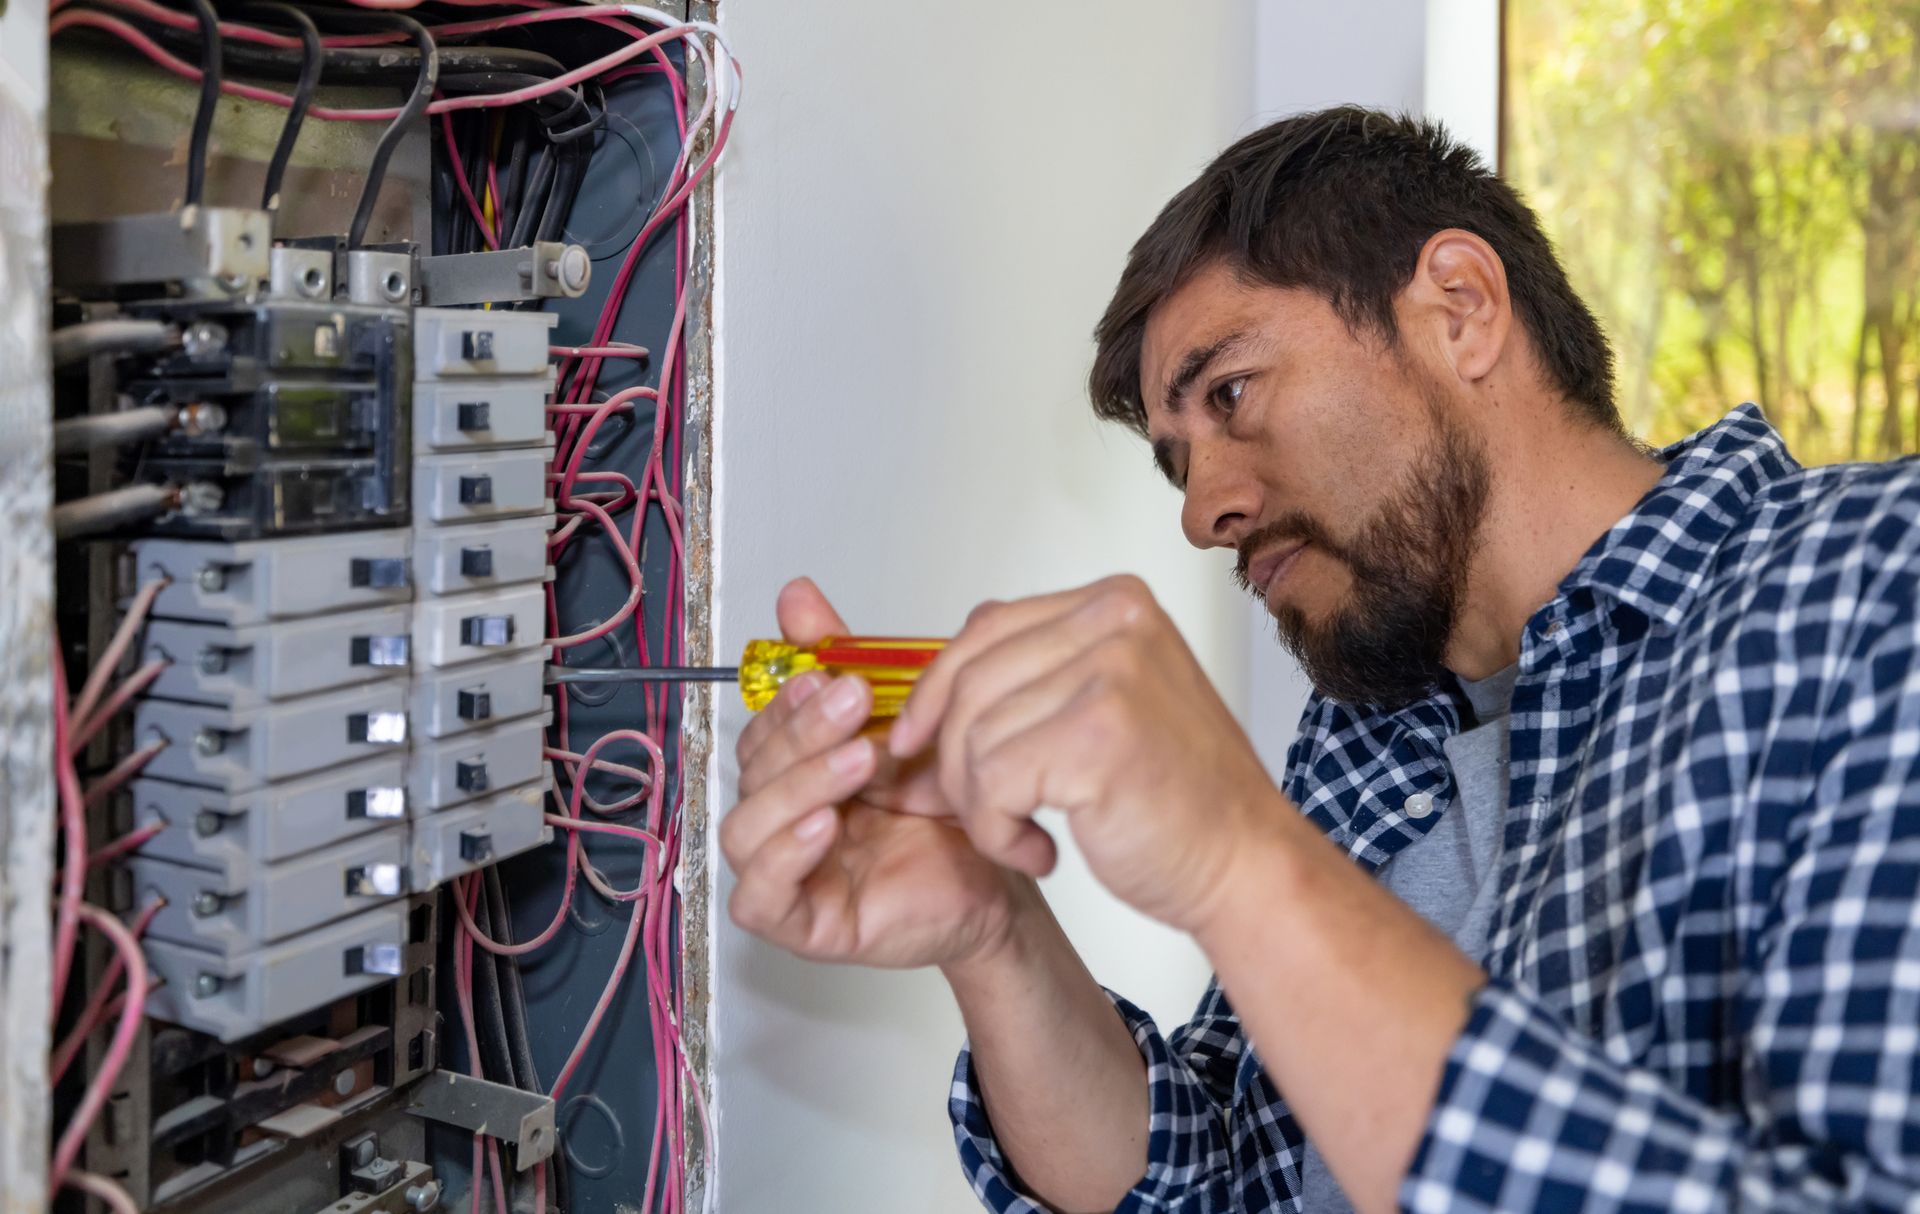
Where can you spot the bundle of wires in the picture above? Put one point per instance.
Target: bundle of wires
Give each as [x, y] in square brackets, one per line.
[509, 172]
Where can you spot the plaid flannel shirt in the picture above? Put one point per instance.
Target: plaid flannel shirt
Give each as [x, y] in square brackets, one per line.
[1704, 974]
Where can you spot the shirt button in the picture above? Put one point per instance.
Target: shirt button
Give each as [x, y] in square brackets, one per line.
[1553, 629]
[1419, 805]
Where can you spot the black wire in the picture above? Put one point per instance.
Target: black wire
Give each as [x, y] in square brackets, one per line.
[513, 1002]
[513, 184]
[312, 57]
[535, 203]
[209, 100]
[390, 138]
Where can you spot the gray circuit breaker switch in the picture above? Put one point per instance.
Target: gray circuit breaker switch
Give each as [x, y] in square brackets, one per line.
[379, 573]
[487, 631]
[378, 728]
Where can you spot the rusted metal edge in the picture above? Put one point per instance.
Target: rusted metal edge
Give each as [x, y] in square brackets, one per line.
[26, 612]
[696, 877]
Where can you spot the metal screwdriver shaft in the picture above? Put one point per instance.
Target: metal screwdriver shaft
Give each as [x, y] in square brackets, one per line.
[642, 674]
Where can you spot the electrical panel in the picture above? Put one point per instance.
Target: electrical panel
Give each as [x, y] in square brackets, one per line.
[319, 530]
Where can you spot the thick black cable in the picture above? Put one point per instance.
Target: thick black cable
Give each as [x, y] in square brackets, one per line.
[513, 1000]
[390, 139]
[566, 185]
[312, 58]
[209, 101]
[490, 1023]
[533, 206]
[513, 183]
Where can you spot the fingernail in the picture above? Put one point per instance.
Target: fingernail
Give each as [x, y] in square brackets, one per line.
[813, 825]
[850, 758]
[896, 737]
[801, 688]
[843, 698]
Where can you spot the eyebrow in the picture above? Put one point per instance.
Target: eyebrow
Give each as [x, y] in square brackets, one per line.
[1195, 364]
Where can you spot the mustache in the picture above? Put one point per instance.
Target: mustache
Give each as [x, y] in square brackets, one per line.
[1294, 526]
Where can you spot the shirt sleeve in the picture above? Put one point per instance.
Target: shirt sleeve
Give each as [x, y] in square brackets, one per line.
[1189, 1088]
[1532, 1114]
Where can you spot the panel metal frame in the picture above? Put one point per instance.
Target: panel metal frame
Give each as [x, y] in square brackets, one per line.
[26, 609]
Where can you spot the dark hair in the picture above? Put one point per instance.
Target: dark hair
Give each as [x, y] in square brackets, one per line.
[1341, 202]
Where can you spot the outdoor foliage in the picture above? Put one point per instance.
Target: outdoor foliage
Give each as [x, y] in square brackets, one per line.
[1735, 187]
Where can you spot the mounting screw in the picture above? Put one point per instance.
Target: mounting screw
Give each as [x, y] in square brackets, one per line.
[212, 661]
[206, 903]
[206, 824]
[204, 339]
[209, 742]
[365, 1150]
[206, 985]
[262, 1068]
[343, 1086]
[202, 497]
[212, 579]
[424, 1197]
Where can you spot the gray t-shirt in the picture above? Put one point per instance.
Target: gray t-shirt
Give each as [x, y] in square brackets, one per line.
[1448, 876]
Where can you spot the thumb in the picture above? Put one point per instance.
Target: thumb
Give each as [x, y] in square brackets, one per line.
[805, 615]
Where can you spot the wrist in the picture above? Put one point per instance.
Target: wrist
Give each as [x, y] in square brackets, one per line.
[1266, 864]
[1023, 921]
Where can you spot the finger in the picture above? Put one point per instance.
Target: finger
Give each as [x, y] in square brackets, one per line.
[1034, 763]
[1026, 660]
[770, 897]
[823, 780]
[827, 719]
[1026, 708]
[990, 623]
[793, 693]
[805, 615]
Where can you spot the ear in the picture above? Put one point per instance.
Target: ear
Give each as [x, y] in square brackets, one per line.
[1459, 293]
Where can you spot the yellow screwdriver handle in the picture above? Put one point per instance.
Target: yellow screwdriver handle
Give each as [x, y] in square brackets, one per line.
[890, 665]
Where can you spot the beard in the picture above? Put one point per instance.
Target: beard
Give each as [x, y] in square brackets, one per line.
[1386, 644]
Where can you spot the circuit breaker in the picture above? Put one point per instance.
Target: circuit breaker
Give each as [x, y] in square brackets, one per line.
[320, 702]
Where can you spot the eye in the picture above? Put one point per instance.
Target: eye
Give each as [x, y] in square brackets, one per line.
[1226, 394]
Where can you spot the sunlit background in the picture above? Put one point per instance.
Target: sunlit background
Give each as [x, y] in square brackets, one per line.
[1735, 186]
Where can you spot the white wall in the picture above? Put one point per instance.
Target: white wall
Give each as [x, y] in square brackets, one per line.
[920, 220]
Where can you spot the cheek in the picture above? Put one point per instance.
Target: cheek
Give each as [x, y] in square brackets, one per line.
[1347, 445]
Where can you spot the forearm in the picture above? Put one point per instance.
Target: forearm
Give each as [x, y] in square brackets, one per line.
[1350, 998]
[1060, 1074]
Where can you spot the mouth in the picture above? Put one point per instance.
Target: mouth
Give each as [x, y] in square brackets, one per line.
[1268, 571]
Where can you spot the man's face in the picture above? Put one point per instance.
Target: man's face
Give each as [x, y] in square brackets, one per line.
[1334, 466]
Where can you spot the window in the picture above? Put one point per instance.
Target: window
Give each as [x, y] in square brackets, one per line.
[1734, 185]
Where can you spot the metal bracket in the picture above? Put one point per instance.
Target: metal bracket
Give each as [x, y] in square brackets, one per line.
[213, 250]
[546, 269]
[523, 1119]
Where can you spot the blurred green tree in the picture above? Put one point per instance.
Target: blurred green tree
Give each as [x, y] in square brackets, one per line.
[1734, 185]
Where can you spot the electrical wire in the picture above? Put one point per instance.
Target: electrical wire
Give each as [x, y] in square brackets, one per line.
[209, 101]
[390, 138]
[118, 1050]
[312, 59]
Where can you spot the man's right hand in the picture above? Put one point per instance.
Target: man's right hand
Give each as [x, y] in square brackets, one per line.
[827, 865]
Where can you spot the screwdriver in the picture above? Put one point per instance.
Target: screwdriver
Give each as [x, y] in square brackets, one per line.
[890, 665]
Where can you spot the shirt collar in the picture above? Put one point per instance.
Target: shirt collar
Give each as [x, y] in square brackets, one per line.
[1656, 558]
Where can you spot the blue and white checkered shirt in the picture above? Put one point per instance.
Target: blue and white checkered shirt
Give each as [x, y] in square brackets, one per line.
[1705, 971]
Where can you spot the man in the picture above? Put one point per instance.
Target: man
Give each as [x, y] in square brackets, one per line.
[1636, 734]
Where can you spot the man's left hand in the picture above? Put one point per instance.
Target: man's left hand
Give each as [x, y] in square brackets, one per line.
[1090, 702]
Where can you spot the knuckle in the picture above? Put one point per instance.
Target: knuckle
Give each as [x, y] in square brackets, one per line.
[982, 614]
[740, 908]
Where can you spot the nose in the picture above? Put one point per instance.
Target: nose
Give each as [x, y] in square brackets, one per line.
[1222, 498]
